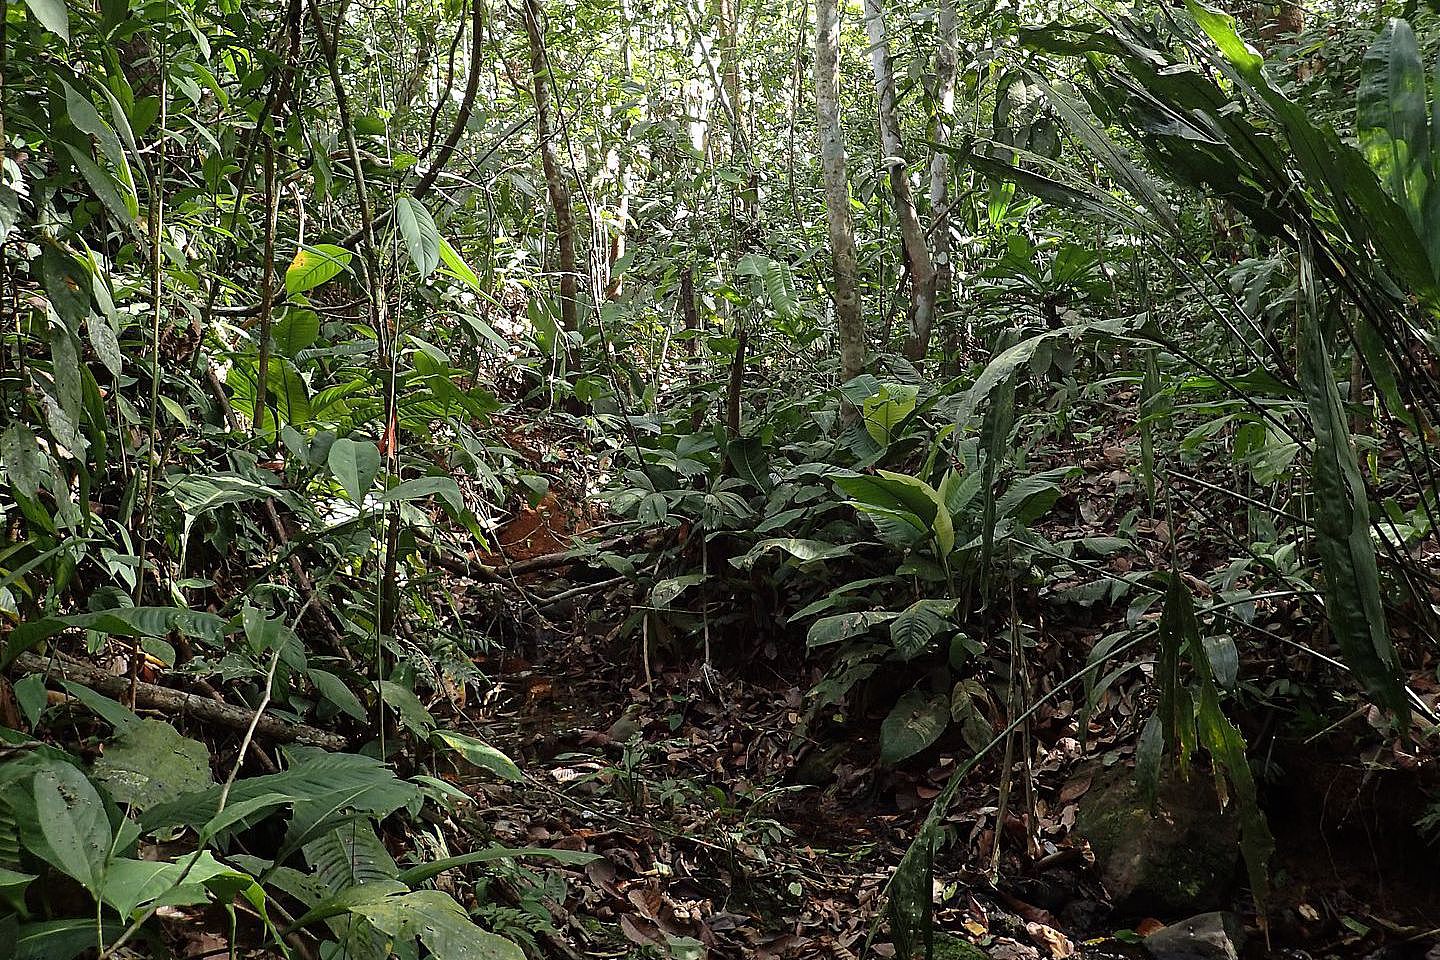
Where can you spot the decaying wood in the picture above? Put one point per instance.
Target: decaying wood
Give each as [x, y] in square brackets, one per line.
[155, 697]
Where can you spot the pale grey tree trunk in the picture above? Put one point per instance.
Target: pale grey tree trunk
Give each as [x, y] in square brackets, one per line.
[917, 254]
[850, 324]
[940, 167]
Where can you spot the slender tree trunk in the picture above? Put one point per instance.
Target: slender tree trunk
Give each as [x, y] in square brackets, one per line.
[850, 324]
[555, 183]
[917, 255]
[940, 168]
[621, 168]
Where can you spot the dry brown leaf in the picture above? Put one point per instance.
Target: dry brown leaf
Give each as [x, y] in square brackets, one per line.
[1051, 939]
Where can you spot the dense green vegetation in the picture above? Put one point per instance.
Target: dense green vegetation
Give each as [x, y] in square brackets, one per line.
[969, 367]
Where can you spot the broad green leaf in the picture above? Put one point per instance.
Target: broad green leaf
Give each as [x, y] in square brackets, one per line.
[421, 487]
[750, 461]
[332, 688]
[12, 888]
[132, 884]
[315, 265]
[105, 344]
[440, 924]
[915, 722]
[805, 551]
[459, 268]
[113, 713]
[843, 626]
[121, 202]
[422, 238]
[62, 939]
[479, 753]
[296, 329]
[412, 712]
[1392, 117]
[73, 823]
[918, 624]
[885, 411]
[21, 458]
[354, 463]
[1341, 507]
[52, 16]
[665, 591]
[149, 762]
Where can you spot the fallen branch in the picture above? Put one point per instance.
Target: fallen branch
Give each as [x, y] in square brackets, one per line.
[470, 566]
[167, 700]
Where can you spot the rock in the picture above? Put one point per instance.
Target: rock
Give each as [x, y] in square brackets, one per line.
[1179, 858]
[1207, 936]
[949, 947]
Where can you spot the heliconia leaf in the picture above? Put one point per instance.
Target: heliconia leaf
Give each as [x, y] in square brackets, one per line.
[1342, 527]
[315, 265]
[918, 624]
[1392, 116]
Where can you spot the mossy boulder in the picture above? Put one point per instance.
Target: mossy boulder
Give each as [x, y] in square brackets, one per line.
[1179, 857]
[949, 947]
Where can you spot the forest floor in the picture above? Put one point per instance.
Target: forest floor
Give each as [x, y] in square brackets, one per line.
[730, 820]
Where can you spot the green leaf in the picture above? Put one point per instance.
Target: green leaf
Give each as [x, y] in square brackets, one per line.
[332, 688]
[665, 591]
[102, 706]
[317, 784]
[22, 459]
[123, 206]
[52, 16]
[1392, 117]
[350, 855]
[459, 268]
[132, 884]
[479, 753]
[884, 412]
[62, 939]
[315, 265]
[422, 238]
[750, 460]
[440, 924]
[150, 762]
[915, 722]
[12, 888]
[354, 463]
[419, 874]
[1341, 507]
[412, 712]
[296, 330]
[918, 624]
[105, 343]
[806, 551]
[421, 487]
[843, 626]
[73, 824]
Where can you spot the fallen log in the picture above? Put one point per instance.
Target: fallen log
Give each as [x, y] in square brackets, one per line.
[155, 697]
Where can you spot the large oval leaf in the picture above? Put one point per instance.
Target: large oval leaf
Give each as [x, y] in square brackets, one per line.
[313, 266]
[422, 238]
[916, 721]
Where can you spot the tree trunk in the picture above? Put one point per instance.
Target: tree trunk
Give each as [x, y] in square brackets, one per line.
[850, 325]
[940, 167]
[620, 166]
[555, 183]
[917, 255]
